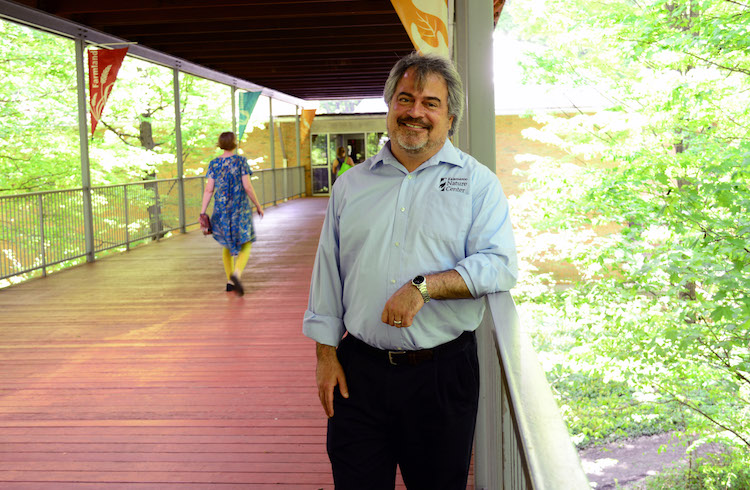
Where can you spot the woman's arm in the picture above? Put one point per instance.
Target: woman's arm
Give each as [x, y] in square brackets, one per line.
[251, 193]
[207, 194]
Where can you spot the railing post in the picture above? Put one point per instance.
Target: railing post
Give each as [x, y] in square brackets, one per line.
[88, 216]
[40, 209]
[261, 190]
[178, 148]
[127, 217]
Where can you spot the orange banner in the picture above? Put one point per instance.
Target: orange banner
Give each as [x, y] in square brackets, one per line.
[103, 67]
[305, 123]
[426, 23]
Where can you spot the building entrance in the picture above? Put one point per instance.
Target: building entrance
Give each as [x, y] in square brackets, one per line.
[359, 146]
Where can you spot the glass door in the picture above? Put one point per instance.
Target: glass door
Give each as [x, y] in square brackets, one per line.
[374, 142]
[324, 147]
[319, 159]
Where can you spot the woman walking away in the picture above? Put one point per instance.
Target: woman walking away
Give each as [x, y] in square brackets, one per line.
[232, 220]
[342, 163]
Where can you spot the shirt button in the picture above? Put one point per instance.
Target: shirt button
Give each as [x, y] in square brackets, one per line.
[410, 176]
[403, 209]
[397, 244]
[393, 281]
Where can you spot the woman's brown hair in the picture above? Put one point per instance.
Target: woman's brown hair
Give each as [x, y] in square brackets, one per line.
[227, 141]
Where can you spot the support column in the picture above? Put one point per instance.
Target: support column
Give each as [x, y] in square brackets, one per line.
[272, 141]
[474, 60]
[299, 135]
[234, 114]
[476, 136]
[300, 174]
[83, 136]
[178, 147]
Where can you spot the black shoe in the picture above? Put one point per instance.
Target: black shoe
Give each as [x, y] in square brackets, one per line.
[238, 289]
[230, 287]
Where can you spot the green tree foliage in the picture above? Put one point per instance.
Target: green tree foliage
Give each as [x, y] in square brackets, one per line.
[338, 106]
[135, 139]
[38, 111]
[206, 112]
[663, 305]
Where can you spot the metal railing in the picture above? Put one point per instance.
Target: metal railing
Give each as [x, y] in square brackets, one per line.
[522, 441]
[43, 230]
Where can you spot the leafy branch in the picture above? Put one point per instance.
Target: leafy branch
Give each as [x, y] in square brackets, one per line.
[120, 134]
[723, 359]
[34, 183]
[718, 65]
[746, 7]
[685, 403]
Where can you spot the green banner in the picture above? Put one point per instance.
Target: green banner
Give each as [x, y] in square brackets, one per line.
[247, 104]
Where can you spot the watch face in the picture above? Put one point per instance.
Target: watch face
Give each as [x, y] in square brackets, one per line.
[418, 280]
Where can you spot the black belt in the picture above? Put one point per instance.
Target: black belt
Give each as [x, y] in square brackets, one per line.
[411, 357]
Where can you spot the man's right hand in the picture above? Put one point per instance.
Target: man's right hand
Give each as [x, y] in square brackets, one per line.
[329, 373]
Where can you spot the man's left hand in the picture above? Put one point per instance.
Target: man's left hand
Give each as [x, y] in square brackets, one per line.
[402, 307]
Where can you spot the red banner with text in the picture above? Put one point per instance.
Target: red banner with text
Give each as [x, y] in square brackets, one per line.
[103, 67]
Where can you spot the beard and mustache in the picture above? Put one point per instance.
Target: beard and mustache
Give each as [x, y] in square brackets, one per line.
[409, 141]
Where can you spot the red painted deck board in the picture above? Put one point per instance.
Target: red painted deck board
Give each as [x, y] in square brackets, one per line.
[138, 371]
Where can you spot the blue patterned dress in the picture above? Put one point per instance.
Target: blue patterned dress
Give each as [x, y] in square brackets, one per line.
[232, 219]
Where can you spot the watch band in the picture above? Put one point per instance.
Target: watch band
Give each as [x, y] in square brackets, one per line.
[420, 283]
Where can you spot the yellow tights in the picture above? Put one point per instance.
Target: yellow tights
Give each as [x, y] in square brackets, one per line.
[236, 266]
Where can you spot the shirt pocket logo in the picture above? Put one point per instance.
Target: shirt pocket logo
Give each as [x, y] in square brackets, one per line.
[454, 184]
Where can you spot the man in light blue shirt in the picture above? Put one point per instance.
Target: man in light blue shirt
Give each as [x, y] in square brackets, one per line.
[413, 238]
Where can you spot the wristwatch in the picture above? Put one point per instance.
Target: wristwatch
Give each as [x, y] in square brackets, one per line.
[420, 283]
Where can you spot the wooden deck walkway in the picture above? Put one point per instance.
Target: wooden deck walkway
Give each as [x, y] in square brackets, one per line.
[138, 371]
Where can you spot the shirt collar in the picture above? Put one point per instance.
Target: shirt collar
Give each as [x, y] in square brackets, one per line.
[447, 154]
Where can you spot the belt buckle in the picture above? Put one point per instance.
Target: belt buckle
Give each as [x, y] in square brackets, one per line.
[391, 353]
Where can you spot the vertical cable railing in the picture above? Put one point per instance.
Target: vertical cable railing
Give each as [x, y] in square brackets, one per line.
[40, 229]
[44, 229]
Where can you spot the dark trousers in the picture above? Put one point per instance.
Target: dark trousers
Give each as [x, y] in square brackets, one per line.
[420, 417]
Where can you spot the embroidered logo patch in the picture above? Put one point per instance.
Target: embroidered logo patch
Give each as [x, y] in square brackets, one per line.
[454, 184]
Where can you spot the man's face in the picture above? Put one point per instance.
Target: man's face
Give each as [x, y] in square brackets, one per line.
[418, 120]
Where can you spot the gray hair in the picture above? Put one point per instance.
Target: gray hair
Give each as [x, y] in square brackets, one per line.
[424, 65]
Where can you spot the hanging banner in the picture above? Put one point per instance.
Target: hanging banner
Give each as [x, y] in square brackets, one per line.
[247, 104]
[103, 67]
[305, 123]
[426, 23]
[497, 9]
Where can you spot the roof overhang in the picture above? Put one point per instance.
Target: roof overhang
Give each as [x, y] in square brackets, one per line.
[309, 49]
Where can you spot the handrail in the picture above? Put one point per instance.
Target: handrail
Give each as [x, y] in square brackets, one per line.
[125, 184]
[45, 228]
[522, 441]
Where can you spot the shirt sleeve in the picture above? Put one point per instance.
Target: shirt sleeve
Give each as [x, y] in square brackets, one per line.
[491, 264]
[245, 167]
[211, 173]
[323, 320]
